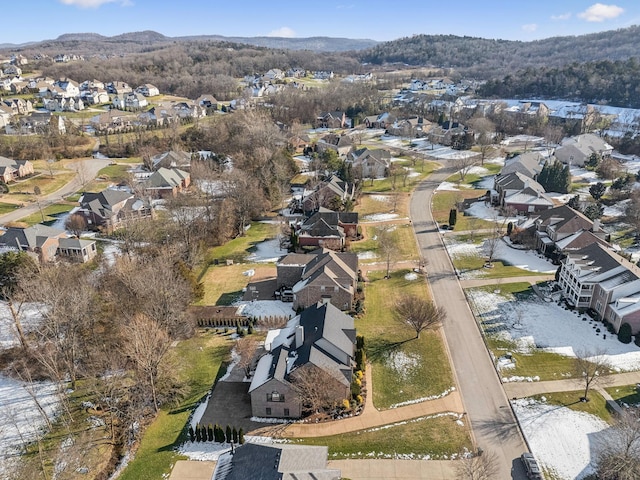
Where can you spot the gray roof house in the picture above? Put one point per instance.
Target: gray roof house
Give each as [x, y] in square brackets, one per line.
[320, 337]
[275, 462]
[172, 159]
[529, 164]
[520, 192]
[368, 163]
[111, 209]
[166, 182]
[577, 150]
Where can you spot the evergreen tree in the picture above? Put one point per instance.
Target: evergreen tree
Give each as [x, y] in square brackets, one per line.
[241, 436]
[192, 434]
[597, 190]
[210, 433]
[228, 436]
[198, 435]
[594, 211]
[574, 202]
[234, 435]
[203, 433]
[453, 216]
[624, 334]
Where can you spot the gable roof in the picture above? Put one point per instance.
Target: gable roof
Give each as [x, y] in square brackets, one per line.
[166, 178]
[29, 237]
[529, 164]
[172, 158]
[517, 181]
[102, 203]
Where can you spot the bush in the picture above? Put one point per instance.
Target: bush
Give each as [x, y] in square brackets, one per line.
[228, 434]
[637, 342]
[198, 434]
[192, 434]
[241, 436]
[624, 334]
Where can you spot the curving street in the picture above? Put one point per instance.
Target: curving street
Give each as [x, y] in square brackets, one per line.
[492, 421]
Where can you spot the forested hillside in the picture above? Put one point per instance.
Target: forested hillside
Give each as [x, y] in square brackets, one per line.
[483, 57]
[610, 83]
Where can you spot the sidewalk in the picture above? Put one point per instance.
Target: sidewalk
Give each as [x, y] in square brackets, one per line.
[371, 417]
[396, 469]
[481, 282]
[527, 389]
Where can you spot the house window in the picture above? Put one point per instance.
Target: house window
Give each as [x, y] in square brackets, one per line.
[286, 412]
[268, 411]
[275, 397]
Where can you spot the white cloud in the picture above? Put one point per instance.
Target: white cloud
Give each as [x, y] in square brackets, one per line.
[530, 27]
[562, 16]
[95, 3]
[599, 12]
[285, 32]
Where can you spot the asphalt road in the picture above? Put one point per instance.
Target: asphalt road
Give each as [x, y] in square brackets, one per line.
[492, 420]
[87, 170]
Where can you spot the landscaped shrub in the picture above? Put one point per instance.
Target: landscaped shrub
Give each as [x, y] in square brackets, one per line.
[218, 434]
[359, 341]
[241, 436]
[210, 433]
[624, 334]
[234, 435]
[228, 436]
[637, 341]
[198, 436]
[203, 433]
[192, 434]
[249, 329]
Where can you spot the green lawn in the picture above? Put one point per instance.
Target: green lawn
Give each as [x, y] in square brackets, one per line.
[50, 213]
[404, 368]
[238, 248]
[7, 207]
[443, 201]
[372, 204]
[24, 190]
[595, 406]
[223, 284]
[627, 394]
[404, 237]
[434, 437]
[199, 360]
[386, 184]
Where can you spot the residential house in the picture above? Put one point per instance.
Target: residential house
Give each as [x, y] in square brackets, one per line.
[6, 114]
[332, 120]
[408, 127]
[68, 88]
[379, 121]
[17, 169]
[111, 209]
[577, 150]
[321, 337]
[148, 90]
[13, 71]
[19, 106]
[92, 85]
[321, 274]
[275, 462]
[562, 229]
[447, 134]
[520, 193]
[328, 229]
[46, 242]
[118, 88]
[95, 97]
[20, 87]
[172, 159]
[208, 102]
[166, 182]
[341, 144]
[368, 163]
[274, 74]
[328, 194]
[529, 164]
[299, 143]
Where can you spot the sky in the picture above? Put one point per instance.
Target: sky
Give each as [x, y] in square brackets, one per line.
[373, 19]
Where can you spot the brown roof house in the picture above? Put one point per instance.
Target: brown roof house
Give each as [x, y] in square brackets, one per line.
[321, 337]
[341, 144]
[321, 274]
[332, 120]
[562, 229]
[328, 229]
[172, 159]
[167, 182]
[111, 209]
[46, 243]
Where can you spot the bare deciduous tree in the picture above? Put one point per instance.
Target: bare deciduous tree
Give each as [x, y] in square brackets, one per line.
[76, 224]
[246, 348]
[492, 245]
[313, 388]
[464, 165]
[478, 467]
[618, 456]
[146, 344]
[388, 247]
[419, 313]
[592, 367]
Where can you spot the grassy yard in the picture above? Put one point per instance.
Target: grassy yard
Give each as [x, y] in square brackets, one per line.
[403, 233]
[223, 284]
[50, 213]
[443, 201]
[7, 207]
[198, 361]
[386, 184]
[238, 248]
[372, 204]
[500, 269]
[595, 406]
[23, 191]
[433, 437]
[627, 394]
[404, 368]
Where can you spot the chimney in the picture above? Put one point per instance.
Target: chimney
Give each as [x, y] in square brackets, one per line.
[325, 300]
[299, 336]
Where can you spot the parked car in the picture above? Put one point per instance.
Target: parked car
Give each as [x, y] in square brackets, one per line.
[531, 466]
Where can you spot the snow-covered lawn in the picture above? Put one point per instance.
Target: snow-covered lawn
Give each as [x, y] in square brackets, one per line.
[268, 251]
[563, 441]
[448, 186]
[267, 308]
[381, 217]
[20, 420]
[534, 323]
[30, 319]
[487, 212]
